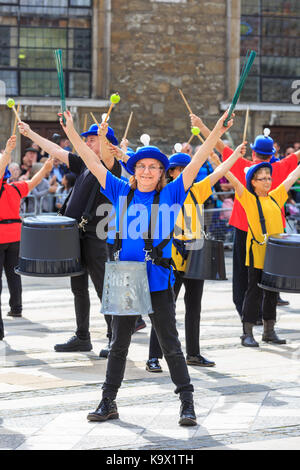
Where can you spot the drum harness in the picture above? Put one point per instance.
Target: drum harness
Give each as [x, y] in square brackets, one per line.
[10, 221]
[152, 253]
[263, 227]
[180, 245]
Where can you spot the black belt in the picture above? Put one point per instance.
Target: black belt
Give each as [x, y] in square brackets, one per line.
[11, 221]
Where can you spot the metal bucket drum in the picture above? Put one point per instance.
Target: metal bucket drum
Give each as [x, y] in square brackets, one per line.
[50, 247]
[126, 289]
[281, 271]
[207, 263]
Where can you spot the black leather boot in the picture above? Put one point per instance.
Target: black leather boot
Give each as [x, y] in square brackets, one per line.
[187, 412]
[269, 334]
[248, 338]
[107, 409]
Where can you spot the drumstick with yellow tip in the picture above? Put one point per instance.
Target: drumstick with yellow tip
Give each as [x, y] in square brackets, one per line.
[16, 120]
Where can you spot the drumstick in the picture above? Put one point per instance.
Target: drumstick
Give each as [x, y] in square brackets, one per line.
[246, 125]
[16, 120]
[185, 101]
[128, 125]
[190, 139]
[94, 119]
[85, 122]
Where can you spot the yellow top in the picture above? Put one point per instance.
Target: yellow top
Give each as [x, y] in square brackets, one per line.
[188, 225]
[273, 220]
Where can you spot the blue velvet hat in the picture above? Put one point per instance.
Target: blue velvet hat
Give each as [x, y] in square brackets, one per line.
[93, 130]
[251, 172]
[148, 151]
[7, 174]
[263, 144]
[179, 159]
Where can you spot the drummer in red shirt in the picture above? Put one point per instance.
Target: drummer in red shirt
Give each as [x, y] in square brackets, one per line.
[10, 227]
[262, 151]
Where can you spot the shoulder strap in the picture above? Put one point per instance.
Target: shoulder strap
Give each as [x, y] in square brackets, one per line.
[17, 189]
[62, 210]
[119, 223]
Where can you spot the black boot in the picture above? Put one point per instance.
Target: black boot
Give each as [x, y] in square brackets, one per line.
[248, 338]
[187, 412]
[104, 352]
[107, 409]
[269, 334]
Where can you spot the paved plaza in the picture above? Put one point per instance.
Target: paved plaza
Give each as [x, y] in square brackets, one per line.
[250, 400]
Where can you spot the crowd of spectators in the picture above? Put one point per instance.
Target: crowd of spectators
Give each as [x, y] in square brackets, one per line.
[51, 193]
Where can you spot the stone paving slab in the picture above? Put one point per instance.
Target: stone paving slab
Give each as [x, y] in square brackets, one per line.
[250, 400]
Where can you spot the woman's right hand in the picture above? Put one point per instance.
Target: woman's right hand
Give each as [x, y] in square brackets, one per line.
[102, 129]
[24, 128]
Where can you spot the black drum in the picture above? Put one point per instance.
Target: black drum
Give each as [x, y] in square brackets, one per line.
[50, 247]
[281, 271]
[207, 263]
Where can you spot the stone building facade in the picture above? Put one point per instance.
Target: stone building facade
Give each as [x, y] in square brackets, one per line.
[147, 50]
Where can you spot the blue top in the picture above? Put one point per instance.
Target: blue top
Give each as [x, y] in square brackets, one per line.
[136, 222]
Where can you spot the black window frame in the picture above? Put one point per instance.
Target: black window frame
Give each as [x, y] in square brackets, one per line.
[262, 15]
[67, 71]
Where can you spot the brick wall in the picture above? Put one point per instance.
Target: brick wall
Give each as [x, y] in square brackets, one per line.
[158, 47]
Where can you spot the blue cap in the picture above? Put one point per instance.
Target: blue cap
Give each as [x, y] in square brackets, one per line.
[148, 151]
[93, 130]
[264, 145]
[179, 159]
[7, 174]
[251, 172]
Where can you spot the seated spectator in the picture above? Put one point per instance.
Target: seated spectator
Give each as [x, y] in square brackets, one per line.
[15, 172]
[63, 191]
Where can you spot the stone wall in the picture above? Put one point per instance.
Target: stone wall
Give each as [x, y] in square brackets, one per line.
[158, 47]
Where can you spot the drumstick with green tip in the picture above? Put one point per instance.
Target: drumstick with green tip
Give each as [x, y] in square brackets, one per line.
[114, 99]
[11, 104]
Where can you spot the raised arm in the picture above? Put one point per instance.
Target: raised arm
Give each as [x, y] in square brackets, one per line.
[88, 156]
[191, 170]
[6, 156]
[40, 175]
[292, 178]
[50, 147]
[197, 121]
[222, 169]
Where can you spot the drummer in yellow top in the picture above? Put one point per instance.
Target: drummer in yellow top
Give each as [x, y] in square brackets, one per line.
[263, 209]
[188, 229]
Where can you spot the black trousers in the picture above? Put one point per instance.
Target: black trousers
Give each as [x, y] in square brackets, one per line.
[94, 256]
[164, 323]
[257, 299]
[192, 300]
[9, 258]
[239, 269]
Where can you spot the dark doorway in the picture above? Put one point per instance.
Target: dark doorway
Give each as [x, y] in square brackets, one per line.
[286, 136]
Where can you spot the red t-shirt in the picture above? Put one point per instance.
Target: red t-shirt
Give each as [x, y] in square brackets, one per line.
[10, 209]
[281, 170]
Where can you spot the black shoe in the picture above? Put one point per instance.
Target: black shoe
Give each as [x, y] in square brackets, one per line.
[140, 324]
[104, 352]
[1, 335]
[187, 414]
[153, 365]
[107, 409]
[199, 360]
[281, 302]
[74, 344]
[14, 315]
